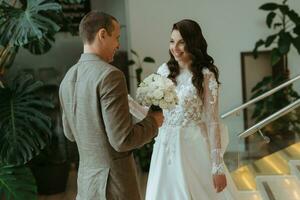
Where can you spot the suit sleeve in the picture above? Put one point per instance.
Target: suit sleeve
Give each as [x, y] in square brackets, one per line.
[66, 126]
[122, 134]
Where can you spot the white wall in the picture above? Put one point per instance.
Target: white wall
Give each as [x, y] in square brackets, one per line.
[115, 8]
[230, 27]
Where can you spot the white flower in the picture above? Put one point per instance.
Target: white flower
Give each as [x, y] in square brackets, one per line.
[168, 96]
[158, 94]
[163, 104]
[155, 102]
[157, 90]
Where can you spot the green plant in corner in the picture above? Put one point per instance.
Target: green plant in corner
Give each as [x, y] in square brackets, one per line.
[286, 25]
[31, 24]
[17, 183]
[139, 63]
[25, 130]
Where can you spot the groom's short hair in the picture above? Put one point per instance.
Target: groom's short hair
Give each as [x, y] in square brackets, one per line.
[92, 22]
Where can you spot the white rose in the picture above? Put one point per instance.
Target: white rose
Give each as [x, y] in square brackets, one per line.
[158, 94]
[155, 102]
[148, 101]
[168, 97]
[163, 104]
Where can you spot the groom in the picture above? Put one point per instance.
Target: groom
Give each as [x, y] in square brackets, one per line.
[94, 103]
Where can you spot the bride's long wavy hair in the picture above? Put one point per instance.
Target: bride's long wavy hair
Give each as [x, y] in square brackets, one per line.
[196, 47]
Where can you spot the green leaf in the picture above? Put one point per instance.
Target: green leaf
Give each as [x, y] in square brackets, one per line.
[21, 26]
[130, 62]
[297, 29]
[270, 18]
[270, 39]
[17, 183]
[293, 16]
[25, 129]
[134, 52]
[275, 56]
[257, 45]
[139, 71]
[265, 81]
[284, 9]
[296, 43]
[149, 60]
[284, 42]
[269, 6]
[41, 46]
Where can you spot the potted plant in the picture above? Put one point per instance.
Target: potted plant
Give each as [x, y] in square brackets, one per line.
[286, 25]
[139, 64]
[52, 163]
[25, 130]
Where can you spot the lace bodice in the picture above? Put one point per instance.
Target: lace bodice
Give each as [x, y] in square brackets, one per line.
[189, 108]
[192, 110]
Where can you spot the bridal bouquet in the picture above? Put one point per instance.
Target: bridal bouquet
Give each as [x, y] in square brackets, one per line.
[157, 91]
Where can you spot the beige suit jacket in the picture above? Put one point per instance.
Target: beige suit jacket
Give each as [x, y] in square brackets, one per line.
[93, 97]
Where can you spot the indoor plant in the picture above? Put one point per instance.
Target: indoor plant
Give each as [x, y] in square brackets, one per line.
[52, 163]
[31, 24]
[139, 64]
[285, 23]
[25, 130]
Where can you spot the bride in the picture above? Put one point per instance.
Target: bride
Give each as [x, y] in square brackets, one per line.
[187, 160]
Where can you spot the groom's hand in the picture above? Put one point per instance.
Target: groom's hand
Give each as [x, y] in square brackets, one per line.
[158, 116]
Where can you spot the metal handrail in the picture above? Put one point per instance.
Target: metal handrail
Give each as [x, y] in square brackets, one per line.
[271, 118]
[260, 97]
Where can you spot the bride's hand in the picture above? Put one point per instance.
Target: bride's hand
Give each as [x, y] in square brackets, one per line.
[219, 182]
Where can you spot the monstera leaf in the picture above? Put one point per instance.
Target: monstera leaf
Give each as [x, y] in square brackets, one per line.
[21, 25]
[41, 46]
[17, 183]
[25, 128]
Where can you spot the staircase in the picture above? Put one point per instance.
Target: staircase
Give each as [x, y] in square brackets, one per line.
[273, 177]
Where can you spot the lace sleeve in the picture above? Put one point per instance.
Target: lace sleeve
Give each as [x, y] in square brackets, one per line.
[211, 117]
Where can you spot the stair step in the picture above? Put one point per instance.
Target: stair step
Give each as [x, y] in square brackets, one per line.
[295, 168]
[277, 163]
[278, 187]
[250, 195]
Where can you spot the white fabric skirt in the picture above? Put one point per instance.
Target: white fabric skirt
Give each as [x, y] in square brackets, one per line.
[181, 167]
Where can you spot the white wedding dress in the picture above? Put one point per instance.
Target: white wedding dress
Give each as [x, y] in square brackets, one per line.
[189, 147]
